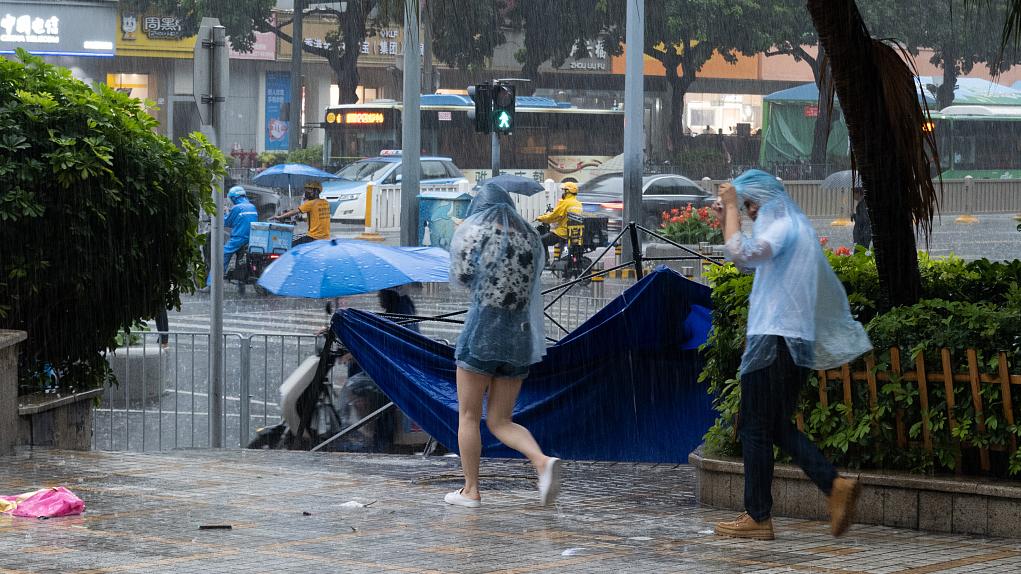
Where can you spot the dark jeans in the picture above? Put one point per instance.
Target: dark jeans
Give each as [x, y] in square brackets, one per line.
[163, 325]
[768, 399]
[550, 239]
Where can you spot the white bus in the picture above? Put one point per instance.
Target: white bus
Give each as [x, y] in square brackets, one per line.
[551, 140]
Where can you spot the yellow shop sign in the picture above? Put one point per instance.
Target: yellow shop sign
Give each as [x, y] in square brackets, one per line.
[153, 36]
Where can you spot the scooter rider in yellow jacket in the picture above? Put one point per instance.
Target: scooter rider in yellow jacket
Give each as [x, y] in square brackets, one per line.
[557, 219]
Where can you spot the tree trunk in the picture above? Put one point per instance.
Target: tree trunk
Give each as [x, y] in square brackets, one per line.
[858, 83]
[675, 109]
[945, 93]
[824, 121]
[345, 67]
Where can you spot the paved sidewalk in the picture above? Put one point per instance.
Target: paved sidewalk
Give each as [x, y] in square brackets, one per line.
[144, 513]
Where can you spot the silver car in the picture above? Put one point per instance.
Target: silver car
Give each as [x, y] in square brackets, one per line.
[663, 192]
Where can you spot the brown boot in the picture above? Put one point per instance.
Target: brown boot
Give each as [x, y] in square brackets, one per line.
[842, 502]
[746, 527]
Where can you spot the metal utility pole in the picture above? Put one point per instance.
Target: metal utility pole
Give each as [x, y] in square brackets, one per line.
[495, 142]
[427, 40]
[297, 47]
[411, 128]
[634, 133]
[210, 86]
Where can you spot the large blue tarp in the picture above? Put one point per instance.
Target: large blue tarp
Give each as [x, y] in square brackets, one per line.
[623, 386]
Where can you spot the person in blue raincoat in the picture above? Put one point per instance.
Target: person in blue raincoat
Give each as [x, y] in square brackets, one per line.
[498, 257]
[798, 320]
[239, 219]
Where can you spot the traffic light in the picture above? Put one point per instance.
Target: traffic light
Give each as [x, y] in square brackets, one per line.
[503, 108]
[482, 96]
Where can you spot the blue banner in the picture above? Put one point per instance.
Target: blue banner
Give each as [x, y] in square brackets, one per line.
[278, 97]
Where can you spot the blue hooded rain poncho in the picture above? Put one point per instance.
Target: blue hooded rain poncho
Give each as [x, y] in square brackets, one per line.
[795, 294]
[499, 258]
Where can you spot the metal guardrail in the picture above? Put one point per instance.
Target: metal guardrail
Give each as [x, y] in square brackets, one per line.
[162, 401]
[958, 196]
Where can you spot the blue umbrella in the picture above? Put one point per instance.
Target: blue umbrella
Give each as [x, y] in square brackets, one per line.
[515, 184]
[339, 267]
[291, 175]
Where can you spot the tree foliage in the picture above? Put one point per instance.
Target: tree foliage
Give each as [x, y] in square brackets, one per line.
[960, 34]
[556, 31]
[683, 35]
[99, 216]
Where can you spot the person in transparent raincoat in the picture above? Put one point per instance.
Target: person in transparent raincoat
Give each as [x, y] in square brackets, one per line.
[498, 257]
[798, 319]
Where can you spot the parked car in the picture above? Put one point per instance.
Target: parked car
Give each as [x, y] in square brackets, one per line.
[605, 194]
[347, 195]
[267, 201]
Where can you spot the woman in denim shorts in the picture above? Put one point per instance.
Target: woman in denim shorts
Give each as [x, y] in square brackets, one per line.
[498, 257]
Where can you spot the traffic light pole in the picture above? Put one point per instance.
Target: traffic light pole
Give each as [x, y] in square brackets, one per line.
[496, 153]
[634, 138]
[411, 129]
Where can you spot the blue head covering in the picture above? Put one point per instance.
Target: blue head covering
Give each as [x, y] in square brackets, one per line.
[498, 256]
[489, 197]
[795, 295]
[760, 188]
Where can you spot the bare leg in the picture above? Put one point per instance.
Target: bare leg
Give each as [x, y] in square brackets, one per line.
[471, 387]
[503, 393]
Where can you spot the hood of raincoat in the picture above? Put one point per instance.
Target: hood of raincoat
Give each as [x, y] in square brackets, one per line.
[795, 294]
[498, 257]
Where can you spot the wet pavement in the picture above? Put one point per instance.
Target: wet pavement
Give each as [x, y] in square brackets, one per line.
[292, 512]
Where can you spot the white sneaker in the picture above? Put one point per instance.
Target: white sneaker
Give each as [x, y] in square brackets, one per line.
[549, 482]
[457, 499]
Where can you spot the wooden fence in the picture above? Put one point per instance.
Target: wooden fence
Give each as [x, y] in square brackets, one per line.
[947, 376]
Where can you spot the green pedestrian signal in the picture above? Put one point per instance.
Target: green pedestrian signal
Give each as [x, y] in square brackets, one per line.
[503, 121]
[503, 108]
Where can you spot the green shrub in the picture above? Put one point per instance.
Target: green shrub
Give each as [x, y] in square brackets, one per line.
[979, 308]
[99, 218]
[312, 156]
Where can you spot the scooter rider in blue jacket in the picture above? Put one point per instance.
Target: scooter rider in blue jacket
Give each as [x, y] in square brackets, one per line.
[239, 219]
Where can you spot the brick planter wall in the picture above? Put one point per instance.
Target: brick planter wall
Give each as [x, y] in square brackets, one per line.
[959, 505]
[9, 341]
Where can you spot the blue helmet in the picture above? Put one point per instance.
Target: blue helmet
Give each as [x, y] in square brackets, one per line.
[236, 193]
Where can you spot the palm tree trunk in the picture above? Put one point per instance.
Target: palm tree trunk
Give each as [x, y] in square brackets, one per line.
[859, 86]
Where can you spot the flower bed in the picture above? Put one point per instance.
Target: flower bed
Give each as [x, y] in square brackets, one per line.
[894, 410]
[692, 226]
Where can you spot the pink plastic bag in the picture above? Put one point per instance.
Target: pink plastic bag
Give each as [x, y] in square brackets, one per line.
[47, 502]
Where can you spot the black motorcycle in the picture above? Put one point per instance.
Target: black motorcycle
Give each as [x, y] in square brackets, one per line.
[586, 233]
[247, 267]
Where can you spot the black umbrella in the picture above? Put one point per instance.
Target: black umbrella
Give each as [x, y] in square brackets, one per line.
[515, 184]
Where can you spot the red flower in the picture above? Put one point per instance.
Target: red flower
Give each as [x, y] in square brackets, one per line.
[824, 240]
[842, 251]
[675, 211]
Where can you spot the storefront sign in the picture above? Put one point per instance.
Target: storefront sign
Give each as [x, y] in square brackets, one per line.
[381, 47]
[593, 57]
[278, 97]
[154, 36]
[58, 30]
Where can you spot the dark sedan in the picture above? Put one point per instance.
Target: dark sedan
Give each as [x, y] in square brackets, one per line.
[605, 194]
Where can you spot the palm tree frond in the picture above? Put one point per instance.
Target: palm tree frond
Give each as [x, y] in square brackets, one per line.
[912, 131]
